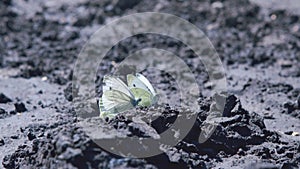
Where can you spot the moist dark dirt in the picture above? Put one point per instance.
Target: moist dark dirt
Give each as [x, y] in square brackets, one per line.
[259, 49]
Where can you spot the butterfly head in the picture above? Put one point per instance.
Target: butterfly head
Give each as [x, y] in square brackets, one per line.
[136, 101]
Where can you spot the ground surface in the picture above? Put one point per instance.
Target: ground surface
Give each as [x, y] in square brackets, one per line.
[259, 47]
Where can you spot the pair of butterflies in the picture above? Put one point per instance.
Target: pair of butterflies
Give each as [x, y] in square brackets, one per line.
[118, 97]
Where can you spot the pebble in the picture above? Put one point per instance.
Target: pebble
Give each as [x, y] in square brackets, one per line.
[285, 63]
[288, 165]
[289, 154]
[76, 138]
[7, 163]
[4, 99]
[241, 152]
[14, 137]
[2, 111]
[2, 142]
[125, 4]
[20, 107]
[31, 136]
[289, 106]
[70, 153]
[62, 143]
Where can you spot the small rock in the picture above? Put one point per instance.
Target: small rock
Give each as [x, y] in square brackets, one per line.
[14, 137]
[41, 134]
[125, 4]
[70, 154]
[13, 112]
[76, 138]
[49, 36]
[209, 85]
[241, 152]
[31, 136]
[31, 72]
[288, 132]
[62, 143]
[285, 63]
[7, 162]
[83, 20]
[4, 99]
[280, 150]
[35, 145]
[289, 106]
[2, 142]
[20, 107]
[289, 154]
[2, 111]
[288, 165]
[60, 80]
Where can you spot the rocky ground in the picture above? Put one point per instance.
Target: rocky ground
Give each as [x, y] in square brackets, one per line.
[259, 48]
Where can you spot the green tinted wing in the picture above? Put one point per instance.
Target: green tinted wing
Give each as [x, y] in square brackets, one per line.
[145, 96]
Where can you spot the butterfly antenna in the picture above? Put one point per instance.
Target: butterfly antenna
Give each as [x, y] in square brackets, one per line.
[138, 100]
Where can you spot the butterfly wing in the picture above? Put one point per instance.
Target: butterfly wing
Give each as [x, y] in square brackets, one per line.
[144, 95]
[116, 101]
[146, 82]
[141, 88]
[114, 83]
[116, 97]
[134, 82]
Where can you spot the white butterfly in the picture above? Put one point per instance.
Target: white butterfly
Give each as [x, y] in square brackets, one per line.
[116, 97]
[141, 88]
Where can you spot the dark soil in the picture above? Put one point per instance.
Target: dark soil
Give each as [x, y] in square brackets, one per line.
[259, 48]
